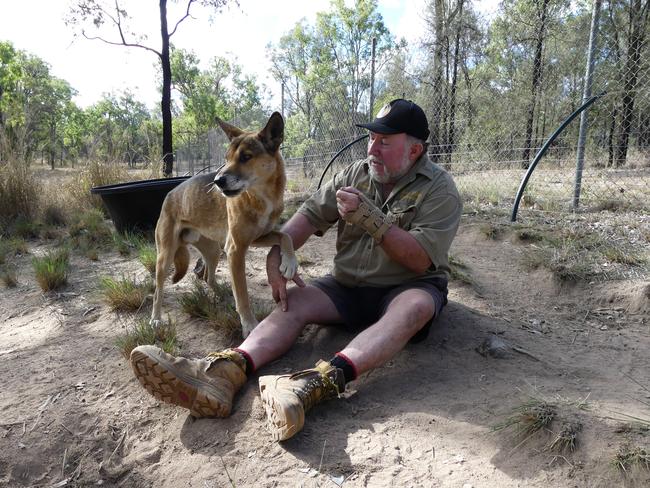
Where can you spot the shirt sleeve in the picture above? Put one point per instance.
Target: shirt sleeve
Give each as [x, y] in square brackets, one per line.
[435, 225]
[320, 208]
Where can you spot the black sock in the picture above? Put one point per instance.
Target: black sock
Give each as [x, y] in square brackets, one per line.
[348, 367]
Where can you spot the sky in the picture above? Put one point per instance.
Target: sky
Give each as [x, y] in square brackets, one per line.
[94, 68]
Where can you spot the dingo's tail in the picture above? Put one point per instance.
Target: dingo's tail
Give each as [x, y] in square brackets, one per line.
[181, 262]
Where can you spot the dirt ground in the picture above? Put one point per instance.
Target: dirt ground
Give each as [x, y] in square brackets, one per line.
[74, 415]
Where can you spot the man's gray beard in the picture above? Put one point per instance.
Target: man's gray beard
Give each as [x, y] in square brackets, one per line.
[386, 177]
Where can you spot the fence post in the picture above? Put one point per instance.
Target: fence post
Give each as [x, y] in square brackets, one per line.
[586, 94]
[371, 115]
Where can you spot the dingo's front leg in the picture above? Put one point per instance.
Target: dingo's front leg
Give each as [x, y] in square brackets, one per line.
[289, 263]
[237, 265]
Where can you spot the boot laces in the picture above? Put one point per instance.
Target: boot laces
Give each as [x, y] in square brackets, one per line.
[319, 387]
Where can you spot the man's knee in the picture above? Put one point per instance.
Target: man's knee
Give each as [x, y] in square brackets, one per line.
[417, 305]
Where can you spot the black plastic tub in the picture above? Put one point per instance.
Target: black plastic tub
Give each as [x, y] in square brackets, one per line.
[135, 206]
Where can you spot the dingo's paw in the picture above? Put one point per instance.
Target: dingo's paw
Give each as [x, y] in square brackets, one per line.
[247, 327]
[288, 266]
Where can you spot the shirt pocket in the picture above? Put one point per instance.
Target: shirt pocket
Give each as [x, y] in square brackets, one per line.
[403, 215]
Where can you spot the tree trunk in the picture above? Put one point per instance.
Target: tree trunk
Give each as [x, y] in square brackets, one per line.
[537, 75]
[451, 140]
[438, 99]
[610, 138]
[166, 103]
[638, 21]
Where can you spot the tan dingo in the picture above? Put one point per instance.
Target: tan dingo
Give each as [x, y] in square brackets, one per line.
[242, 214]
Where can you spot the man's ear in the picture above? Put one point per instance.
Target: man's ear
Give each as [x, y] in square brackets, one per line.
[272, 134]
[230, 130]
[415, 151]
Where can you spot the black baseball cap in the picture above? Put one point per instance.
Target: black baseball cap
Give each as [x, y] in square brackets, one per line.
[400, 116]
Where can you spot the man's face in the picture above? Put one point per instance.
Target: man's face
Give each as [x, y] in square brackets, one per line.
[389, 157]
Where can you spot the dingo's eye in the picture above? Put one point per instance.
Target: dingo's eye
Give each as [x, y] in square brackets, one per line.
[243, 157]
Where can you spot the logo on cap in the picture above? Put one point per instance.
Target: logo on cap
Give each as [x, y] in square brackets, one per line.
[383, 112]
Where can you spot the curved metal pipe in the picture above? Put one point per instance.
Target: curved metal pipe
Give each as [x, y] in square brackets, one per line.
[542, 151]
[320, 182]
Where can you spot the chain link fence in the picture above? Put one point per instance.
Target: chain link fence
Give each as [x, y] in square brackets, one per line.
[487, 136]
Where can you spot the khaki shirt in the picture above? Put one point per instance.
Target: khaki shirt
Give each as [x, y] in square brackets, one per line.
[424, 202]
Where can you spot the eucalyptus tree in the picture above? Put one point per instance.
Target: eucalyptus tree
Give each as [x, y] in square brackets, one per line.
[31, 105]
[626, 31]
[325, 69]
[102, 16]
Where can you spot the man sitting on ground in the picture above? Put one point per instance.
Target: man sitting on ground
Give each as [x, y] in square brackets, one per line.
[396, 214]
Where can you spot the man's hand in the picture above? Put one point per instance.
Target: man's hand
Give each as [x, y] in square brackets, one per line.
[276, 280]
[347, 201]
[354, 207]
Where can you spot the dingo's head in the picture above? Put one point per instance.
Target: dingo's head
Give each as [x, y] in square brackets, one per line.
[253, 158]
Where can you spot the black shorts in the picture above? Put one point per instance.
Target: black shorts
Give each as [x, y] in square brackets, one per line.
[360, 307]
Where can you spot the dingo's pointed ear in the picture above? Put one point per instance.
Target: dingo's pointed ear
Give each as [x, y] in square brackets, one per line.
[272, 134]
[230, 130]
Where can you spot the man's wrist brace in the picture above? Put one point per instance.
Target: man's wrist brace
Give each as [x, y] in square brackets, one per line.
[370, 218]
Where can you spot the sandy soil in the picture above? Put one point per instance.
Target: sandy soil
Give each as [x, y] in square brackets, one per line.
[73, 414]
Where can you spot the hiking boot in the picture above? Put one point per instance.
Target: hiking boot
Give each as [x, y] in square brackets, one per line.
[205, 387]
[286, 398]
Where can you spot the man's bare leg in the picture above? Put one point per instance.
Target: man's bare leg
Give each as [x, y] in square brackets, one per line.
[286, 398]
[405, 316]
[275, 335]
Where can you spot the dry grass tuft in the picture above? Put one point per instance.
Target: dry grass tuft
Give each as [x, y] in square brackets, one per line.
[11, 248]
[125, 294]
[77, 190]
[216, 305]
[457, 271]
[89, 233]
[629, 457]
[19, 194]
[143, 333]
[567, 439]
[8, 275]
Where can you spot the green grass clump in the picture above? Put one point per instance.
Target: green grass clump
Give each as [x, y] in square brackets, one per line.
[529, 418]
[52, 269]
[143, 333]
[147, 256]
[125, 294]
[215, 305]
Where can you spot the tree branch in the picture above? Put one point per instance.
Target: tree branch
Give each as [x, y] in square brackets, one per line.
[187, 14]
[123, 43]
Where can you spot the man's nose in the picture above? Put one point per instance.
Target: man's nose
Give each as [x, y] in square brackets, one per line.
[373, 146]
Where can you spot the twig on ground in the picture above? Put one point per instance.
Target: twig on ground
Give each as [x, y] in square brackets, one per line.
[523, 351]
[232, 483]
[119, 444]
[65, 455]
[320, 465]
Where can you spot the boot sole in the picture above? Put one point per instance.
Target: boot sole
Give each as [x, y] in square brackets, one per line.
[155, 375]
[283, 422]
